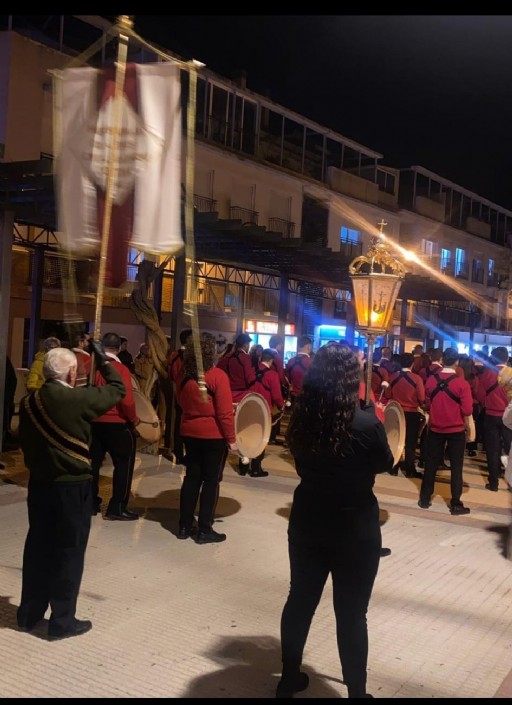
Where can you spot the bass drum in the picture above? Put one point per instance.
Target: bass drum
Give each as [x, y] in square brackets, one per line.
[149, 427]
[252, 425]
[394, 423]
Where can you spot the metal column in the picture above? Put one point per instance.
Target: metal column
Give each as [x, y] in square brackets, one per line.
[35, 307]
[284, 298]
[6, 229]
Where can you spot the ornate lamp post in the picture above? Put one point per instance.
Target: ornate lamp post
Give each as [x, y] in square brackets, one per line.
[376, 280]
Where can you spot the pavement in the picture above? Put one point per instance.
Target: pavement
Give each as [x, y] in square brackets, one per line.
[175, 619]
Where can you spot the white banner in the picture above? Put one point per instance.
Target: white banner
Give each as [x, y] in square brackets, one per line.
[148, 172]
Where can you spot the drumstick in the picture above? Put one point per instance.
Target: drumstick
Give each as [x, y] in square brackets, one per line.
[384, 386]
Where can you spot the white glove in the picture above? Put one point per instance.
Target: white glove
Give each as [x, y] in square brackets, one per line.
[384, 384]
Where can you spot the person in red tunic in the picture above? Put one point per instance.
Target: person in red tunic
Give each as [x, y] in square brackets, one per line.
[268, 385]
[297, 366]
[239, 368]
[114, 433]
[449, 400]
[174, 370]
[407, 389]
[208, 431]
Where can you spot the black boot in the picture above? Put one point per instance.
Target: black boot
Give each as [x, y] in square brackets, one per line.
[291, 684]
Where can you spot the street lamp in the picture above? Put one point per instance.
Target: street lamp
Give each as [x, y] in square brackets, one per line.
[376, 280]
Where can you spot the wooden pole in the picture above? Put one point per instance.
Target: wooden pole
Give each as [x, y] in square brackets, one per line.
[124, 24]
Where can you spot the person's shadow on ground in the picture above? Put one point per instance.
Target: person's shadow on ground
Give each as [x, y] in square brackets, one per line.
[251, 667]
[165, 509]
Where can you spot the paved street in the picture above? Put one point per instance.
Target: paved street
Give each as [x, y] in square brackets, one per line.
[175, 619]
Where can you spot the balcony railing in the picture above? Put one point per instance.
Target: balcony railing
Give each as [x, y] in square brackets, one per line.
[202, 204]
[493, 280]
[351, 249]
[244, 214]
[462, 274]
[279, 225]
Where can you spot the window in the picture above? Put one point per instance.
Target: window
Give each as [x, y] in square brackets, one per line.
[427, 248]
[460, 262]
[490, 271]
[446, 259]
[349, 236]
[478, 271]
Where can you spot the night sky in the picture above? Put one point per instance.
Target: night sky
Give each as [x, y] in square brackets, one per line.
[433, 91]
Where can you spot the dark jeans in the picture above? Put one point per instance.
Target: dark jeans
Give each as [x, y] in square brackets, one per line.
[178, 447]
[120, 442]
[497, 442]
[352, 561]
[205, 462]
[454, 445]
[412, 424]
[59, 518]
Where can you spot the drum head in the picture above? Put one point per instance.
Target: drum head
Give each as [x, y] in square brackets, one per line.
[394, 423]
[252, 425]
[149, 427]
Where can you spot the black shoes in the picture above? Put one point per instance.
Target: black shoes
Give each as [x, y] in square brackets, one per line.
[258, 473]
[210, 537]
[458, 509]
[421, 464]
[471, 453]
[185, 533]
[243, 468]
[492, 488]
[385, 552]
[424, 504]
[81, 627]
[394, 471]
[287, 687]
[121, 515]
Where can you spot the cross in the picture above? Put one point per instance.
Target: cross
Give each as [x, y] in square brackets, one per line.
[382, 224]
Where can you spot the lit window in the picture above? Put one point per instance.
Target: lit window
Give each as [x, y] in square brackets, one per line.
[446, 257]
[460, 261]
[490, 271]
[427, 248]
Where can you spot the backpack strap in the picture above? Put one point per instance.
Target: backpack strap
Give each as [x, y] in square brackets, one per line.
[403, 375]
[442, 386]
[378, 372]
[491, 388]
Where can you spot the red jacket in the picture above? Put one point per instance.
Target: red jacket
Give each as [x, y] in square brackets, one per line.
[295, 370]
[495, 401]
[269, 386]
[446, 414]
[175, 365]
[240, 371]
[124, 411]
[379, 375]
[406, 388]
[212, 418]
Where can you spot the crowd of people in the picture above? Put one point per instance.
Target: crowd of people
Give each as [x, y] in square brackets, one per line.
[73, 416]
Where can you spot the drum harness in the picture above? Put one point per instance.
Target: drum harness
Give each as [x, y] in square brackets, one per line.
[236, 356]
[442, 386]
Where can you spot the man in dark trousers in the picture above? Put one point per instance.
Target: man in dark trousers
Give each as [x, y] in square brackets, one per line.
[406, 388]
[55, 435]
[493, 399]
[114, 433]
[449, 401]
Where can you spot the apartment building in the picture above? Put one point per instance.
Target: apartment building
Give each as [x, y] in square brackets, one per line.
[282, 205]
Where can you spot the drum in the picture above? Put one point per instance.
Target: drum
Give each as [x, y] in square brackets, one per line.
[252, 425]
[149, 427]
[394, 423]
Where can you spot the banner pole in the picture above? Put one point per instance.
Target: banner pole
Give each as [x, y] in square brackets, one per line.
[124, 24]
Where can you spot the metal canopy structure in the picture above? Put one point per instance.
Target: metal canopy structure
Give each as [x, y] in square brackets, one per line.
[27, 190]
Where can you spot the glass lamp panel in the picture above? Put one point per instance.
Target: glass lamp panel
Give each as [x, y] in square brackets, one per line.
[361, 285]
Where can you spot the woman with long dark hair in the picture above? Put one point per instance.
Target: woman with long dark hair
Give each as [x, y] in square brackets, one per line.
[334, 523]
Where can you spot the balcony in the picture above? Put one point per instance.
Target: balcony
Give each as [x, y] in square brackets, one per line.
[351, 249]
[202, 204]
[477, 276]
[247, 216]
[279, 225]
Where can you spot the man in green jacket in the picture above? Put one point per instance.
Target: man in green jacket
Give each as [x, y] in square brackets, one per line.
[55, 437]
